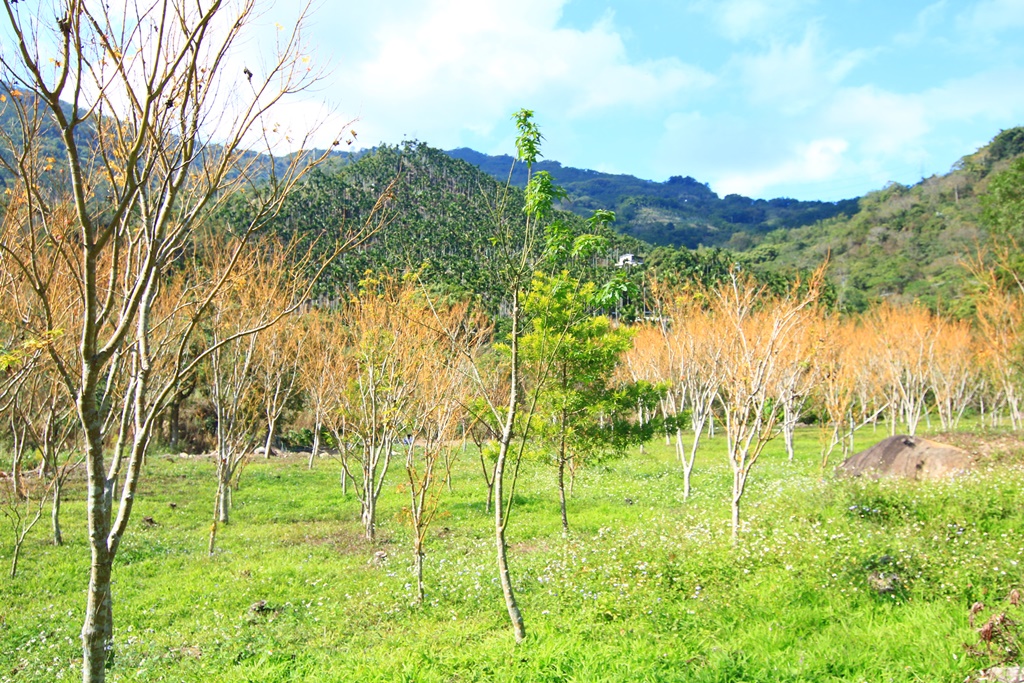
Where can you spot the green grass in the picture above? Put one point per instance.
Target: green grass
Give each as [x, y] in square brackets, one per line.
[647, 587]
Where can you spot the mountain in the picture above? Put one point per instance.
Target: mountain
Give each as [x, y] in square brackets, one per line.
[678, 212]
[17, 105]
[901, 242]
[441, 219]
[904, 243]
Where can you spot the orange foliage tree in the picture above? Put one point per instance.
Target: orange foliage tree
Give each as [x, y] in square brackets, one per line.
[754, 333]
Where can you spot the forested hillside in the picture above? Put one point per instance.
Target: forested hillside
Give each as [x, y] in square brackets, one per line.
[19, 107]
[439, 219]
[905, 243]
[900, 242]
[678, 212]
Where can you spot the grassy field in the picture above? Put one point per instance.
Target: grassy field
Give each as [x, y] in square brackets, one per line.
[646, 588]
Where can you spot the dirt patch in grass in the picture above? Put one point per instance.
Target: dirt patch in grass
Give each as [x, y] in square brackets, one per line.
[346, 541]
[988, 447]
[528, 547]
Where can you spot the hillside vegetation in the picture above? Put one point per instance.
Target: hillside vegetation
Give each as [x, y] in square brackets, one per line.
[681, 211]
[905, 243]
[902, 243]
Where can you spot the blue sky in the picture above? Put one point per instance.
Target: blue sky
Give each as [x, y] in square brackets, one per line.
[808, 99]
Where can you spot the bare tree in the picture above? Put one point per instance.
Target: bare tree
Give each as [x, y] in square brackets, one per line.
[1001, 323]
[278, 355]
[836, 364]
[906, 343]
[954, 370]
[483, 424]
[22, 513]
[262, 290]
[755, 330]
[318, 370]
[375, 391]
[797, 377]
[136, 94]
[439, 389]
[700, 370]
[42, 418]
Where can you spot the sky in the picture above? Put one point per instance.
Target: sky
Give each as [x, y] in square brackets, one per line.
[807, 99]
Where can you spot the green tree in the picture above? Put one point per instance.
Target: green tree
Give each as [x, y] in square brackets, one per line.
[573, 356]
[519, 247]
[1004, 214]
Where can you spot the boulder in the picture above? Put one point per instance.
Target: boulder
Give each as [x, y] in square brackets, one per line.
[907, 457]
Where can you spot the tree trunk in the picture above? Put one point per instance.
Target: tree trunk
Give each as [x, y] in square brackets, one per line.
[789, 419]
[370, 515]
[98, 626]
[18, 456]
[271, 428]
[174, 423]
[418, 547]
[561, 496]
[687, 463]
[735, 517]
[97, 631]
[561, 467]
[19, 489]
[487, 480]
[58, 538]
[640, 421]
[518, 627]
[158, 427]
[224, 496]
[739, 480]
[500, 518]
[217, 506]
[14, 558]
[316, 443]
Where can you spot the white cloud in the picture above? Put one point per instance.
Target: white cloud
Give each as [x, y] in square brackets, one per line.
[786, 110]
[993, 95]
[815, 161]
[744, 19]
[924, 23]
[898, 126]
[856, 138]
[796, 75]
[883, 123]
[449, 67]
[989, 17]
